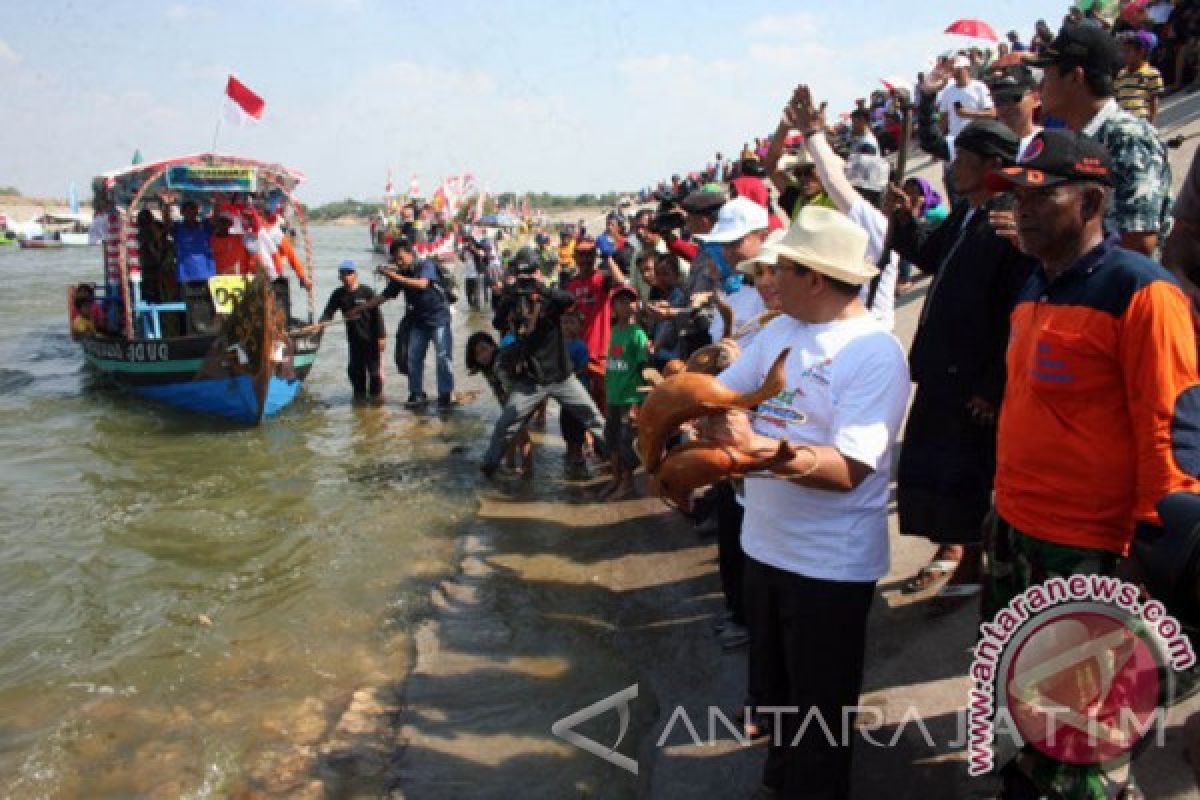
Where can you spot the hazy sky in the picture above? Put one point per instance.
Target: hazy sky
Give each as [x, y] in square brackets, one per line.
[541, 96]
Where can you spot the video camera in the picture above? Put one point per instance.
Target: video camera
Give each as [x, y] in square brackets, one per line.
[668, 217]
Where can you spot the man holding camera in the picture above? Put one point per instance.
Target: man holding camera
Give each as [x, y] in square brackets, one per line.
[539, 362]
[426, 319]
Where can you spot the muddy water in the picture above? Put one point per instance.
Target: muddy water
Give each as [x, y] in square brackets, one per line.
[193, 609]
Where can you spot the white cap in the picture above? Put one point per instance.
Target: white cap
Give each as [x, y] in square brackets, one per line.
[737, 218]
[960, 61]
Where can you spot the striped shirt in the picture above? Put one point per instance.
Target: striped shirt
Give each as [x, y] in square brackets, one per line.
[1134, 89]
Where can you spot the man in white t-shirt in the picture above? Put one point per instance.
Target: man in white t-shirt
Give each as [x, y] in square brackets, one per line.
[816, 531]
[963, 100]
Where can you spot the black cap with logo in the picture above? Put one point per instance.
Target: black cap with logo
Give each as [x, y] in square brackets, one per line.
[1012, 83]
[1054, 157]
[1082, 45]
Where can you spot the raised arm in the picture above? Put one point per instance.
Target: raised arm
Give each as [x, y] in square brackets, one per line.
[775, 152]
[810, 118]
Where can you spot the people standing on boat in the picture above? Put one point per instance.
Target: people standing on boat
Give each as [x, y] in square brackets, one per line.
[366, 336]
[194, 265]
[426, 320]
[154, 256]
[229, 249]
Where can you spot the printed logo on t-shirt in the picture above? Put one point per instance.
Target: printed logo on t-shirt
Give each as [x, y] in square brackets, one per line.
[818, 372]
[780, 410]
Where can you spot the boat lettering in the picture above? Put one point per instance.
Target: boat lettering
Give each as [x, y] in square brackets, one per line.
[146, 351]
[111, 350]
[227, 291]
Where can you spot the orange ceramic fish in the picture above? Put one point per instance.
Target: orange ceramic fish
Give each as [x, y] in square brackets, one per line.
[689, 395]
[697, 464]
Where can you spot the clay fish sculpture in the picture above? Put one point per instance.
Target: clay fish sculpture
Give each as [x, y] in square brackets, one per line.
[690, 395]
[698, 464]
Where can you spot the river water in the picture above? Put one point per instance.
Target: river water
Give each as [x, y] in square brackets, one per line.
[179, 596]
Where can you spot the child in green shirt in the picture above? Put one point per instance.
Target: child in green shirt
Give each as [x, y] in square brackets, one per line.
[628, 353]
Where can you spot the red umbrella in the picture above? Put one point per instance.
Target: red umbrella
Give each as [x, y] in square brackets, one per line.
[974, 28]
[1134, 9]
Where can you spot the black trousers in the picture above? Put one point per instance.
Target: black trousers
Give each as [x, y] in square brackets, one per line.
[731, 561]
[365, 367]
[807, 640]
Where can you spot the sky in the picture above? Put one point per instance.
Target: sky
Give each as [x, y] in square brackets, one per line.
[565, 97]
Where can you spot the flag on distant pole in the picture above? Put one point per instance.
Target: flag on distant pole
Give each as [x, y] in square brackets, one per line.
[388, 194]
[245, 105]
[414, 187]
[137, 157]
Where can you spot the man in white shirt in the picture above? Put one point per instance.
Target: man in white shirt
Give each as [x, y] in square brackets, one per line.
[816, 532]
[963, 100]
[879, 293]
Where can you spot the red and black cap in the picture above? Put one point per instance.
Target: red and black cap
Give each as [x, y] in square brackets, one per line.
[1053, 157]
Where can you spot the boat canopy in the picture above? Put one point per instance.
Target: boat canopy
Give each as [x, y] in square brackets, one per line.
[199, 173]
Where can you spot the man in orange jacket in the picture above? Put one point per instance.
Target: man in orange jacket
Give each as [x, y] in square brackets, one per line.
[1101, 408]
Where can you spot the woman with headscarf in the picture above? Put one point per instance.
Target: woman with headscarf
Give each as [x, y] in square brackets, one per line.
[929, 211]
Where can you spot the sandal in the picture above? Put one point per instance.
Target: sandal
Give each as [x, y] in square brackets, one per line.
[928, 575]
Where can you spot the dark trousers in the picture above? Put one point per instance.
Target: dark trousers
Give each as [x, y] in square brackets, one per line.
[731, 561]
[574, 432]
[807, 639]
[365, 368]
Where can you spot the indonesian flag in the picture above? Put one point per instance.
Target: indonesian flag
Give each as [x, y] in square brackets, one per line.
[414, 186]
[442, 247]
[246, 106]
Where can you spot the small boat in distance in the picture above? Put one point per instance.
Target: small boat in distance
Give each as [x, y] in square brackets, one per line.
[50, 231]
[234, 351]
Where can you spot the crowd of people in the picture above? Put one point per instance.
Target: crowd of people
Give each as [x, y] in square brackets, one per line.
[1052, 376]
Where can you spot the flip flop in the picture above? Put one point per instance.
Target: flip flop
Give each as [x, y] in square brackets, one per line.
[928, 575]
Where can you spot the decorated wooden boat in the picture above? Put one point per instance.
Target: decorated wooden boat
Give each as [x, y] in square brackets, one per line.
[250, 359]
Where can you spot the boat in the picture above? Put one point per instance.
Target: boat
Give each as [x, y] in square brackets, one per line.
[251, 361]
[51, 231]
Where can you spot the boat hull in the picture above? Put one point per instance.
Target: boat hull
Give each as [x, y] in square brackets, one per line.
[171, 372]
[249, 371]
[40, 244]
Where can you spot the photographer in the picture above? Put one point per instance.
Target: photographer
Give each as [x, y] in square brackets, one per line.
[426, 319]
[537, 361]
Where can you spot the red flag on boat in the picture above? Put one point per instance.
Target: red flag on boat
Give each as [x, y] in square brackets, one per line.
[249, 103]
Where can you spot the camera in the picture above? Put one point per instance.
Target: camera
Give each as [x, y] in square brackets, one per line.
[668, 217]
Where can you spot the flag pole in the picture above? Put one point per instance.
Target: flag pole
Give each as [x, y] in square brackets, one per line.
[216, 132]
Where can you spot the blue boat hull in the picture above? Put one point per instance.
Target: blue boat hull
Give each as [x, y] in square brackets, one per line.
[232, 398]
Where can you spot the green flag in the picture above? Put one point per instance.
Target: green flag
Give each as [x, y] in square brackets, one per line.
[137, 157]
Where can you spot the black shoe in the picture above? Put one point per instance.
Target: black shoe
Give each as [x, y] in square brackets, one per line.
[417, 400]
[488, 471]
